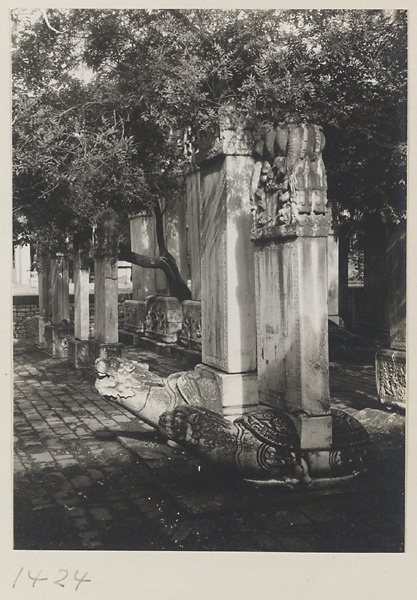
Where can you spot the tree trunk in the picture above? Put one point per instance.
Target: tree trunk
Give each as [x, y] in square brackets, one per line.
[166, 262]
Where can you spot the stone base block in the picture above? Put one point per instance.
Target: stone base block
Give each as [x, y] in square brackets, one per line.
[238, 392]
[40, 323]
[390, 369]
[134, 316]
[163, 318]
[56, 339]
[190, 335]
[102, 350]
[336, 319]
[314, 432]
[79, 353]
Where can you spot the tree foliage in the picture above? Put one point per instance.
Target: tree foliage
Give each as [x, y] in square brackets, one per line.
[112, 139]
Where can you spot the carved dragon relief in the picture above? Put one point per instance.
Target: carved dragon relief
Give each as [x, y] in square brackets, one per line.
[289, 183]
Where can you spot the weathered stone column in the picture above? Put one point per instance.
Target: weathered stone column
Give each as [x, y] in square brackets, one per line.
[60, 329]
[227, 266]
[44, 290]
[106, 250]
[78, 348]
[290, 235]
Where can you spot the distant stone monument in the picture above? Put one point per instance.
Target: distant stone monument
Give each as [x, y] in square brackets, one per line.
[142, 235]
[59, 330]
[45, 291]
[106, 319]
[78, 347]
[391, 363]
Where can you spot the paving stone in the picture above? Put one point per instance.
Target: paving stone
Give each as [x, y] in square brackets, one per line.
[43, 457]
[101, 514]
[81, 481]
[117, 502]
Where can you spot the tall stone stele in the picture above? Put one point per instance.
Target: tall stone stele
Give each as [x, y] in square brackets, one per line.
[290, 235]
[106, 320]
[78, 347]
[391, 363]
[59, 330]
[45, 291]
[142, 236]
[228, 330]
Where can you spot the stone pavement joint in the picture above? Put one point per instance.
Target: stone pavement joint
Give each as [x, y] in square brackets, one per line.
[90, 476]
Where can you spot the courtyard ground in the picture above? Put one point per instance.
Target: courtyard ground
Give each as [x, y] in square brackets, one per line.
[88, 475]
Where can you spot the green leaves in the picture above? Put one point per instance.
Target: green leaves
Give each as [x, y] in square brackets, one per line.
[99, 107]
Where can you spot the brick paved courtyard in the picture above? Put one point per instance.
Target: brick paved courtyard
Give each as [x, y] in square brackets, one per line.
[90, 476]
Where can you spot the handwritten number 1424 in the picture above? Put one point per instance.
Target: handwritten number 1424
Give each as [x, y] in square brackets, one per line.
[62, 576]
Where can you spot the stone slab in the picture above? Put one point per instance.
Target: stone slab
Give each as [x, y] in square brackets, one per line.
[292, 324]
[163, 319]
[56, 339]
[390, 369]
[106, 299]
[41, 322]
[315, 432]
[238, 392]
[192, 182]
[98, 349]
[227, 269]
[142, 236]
[79, 353]
[190, 335]
[134, 316]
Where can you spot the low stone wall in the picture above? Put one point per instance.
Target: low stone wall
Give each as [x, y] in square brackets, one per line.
[26, 308]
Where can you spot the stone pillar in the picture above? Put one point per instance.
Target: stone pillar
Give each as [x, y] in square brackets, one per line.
[78, 348]
[60, 329]
[291, 236]
[22, 264]
[190, 335]
[344, 310]
[192, 181]
[291, 239]
[391, 363]
[106, 249]
[142, 241]
[44, 290]
[60, 288]
[333, 276]
[228, 329]
[161, 282]
[374, 317]
[175, 228]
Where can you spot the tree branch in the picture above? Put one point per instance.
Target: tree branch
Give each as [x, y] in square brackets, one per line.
[166, 263]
